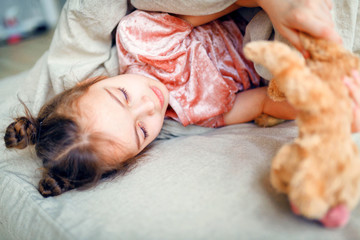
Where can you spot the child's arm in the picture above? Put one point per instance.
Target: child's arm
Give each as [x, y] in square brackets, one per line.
[353, 85]
[252, 103]
[199, 20]
[288, 17]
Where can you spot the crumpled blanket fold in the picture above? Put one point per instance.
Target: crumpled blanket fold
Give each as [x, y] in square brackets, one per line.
[82, 43]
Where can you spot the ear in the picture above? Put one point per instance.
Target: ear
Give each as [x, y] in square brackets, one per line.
[91, 80]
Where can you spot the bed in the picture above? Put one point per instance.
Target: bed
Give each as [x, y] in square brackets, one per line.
[192, 183]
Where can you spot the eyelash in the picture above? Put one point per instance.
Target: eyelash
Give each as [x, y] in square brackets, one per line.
[126, 95]
[144, 131]
[127, 98]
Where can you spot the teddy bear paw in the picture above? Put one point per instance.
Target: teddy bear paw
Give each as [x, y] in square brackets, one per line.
[336, 217]
[265, 120]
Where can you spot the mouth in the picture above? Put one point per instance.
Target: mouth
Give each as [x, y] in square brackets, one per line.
[159, 95]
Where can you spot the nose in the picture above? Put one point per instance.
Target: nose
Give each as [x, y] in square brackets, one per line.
[144, 107]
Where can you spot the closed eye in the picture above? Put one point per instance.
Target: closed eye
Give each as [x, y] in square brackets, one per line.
[125, 93]
[135, 125]
[114, 97]
[144, 132]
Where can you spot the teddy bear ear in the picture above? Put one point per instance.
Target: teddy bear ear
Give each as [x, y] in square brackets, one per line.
[271, 55]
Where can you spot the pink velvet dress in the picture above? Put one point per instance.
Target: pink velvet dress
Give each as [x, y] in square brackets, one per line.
[203, 67]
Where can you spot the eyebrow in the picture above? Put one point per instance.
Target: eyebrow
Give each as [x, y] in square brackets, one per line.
[122, 105]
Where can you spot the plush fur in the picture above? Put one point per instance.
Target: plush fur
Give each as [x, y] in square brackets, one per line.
[320, 169]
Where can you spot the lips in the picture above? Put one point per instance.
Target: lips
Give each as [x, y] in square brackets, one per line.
[159, 95]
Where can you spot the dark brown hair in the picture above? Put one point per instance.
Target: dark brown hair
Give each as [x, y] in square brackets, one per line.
[73, 156]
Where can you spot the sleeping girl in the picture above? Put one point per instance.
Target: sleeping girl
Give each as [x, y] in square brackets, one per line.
[169, 68]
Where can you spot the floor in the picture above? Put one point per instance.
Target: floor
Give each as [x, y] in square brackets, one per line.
[23, 55]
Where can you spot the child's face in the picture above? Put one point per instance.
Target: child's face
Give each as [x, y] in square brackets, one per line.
[128, 108]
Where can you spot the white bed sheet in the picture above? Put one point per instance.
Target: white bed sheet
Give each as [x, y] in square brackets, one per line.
[194, 183]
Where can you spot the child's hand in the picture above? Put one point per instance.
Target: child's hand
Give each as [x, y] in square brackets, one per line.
[353, 85]
[293, 16]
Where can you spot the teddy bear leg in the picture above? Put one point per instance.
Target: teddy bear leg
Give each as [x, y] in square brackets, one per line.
[300, 186]
[283, 166]
[307, 190]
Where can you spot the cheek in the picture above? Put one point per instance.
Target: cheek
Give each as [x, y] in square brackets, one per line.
[156, 125]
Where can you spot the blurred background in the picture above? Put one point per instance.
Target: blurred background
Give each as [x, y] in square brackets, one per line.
[26, 30]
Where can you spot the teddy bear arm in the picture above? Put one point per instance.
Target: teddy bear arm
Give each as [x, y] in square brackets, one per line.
[302, 89]
[274, 92]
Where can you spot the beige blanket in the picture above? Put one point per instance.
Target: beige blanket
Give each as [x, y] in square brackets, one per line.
[201, 184]
[82, 43]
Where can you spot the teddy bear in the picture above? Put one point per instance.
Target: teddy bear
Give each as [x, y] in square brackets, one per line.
[320, 170]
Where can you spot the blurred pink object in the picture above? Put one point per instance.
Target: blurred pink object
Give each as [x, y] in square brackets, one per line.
[336, 217]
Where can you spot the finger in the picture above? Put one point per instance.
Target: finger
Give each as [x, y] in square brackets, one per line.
[355, 127]
[329, 4]
[293, 37]
[325, 10]
[356, 77]
[316, 26]
[324, 31]
[354, 92]
[325, 27]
